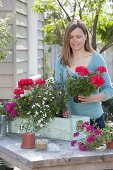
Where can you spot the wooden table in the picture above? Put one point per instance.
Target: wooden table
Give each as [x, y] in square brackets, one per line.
[66, 158]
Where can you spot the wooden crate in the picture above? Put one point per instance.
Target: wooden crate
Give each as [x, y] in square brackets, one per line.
[59, 128]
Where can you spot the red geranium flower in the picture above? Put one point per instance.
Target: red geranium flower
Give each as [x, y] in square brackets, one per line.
[18, 91]
[98, 81]
[40, 81]
[101, 69]
[26, 84]
[83, 71]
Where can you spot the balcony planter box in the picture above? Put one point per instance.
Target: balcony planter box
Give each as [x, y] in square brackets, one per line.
[59, 128]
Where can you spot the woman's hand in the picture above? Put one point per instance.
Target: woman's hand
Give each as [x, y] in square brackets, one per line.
[66, 113]
[92, 98]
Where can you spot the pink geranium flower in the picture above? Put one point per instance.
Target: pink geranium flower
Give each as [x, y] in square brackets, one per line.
[90, 139]
[73, 143]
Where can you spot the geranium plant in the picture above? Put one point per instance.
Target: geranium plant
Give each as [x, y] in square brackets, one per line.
[39, 101]
[83, 82]
[93, 136]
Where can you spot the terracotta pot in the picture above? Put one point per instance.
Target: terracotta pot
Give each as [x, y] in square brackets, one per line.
[28, 141]
[110, 145]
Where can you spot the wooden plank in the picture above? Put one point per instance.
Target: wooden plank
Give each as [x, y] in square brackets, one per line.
[40, 62]
[6, 68]
[6, 93]
[40, 53]
[22, 44]
[40, 35]
[7, 5]
[40, 71]
[21, 20]
[21, 7]
[21, 55]
[21, 32]
[9, 58]
[21, 76]
[21, 68]
[6, 81]
[24, 1]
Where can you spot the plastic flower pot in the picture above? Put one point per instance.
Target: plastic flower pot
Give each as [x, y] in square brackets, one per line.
[110, 145]
[76, 100]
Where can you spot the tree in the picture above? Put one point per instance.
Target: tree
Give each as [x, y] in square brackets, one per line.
[58, 13]
[5, 36]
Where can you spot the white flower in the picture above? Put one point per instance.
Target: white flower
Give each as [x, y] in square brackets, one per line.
[39, 121]
[36, 113]
[44, 98]
[33, 106]
[28, 113]
[47, 106]
[37, 104]
[41, 125]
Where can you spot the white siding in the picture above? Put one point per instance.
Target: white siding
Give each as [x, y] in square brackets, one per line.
[22, 45]
[108, 56]
[6, 66]
[15, 66]
[52, 52]
[40, 44]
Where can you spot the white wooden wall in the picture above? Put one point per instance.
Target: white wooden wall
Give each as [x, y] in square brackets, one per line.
[17, 64]
[108, 56]
[52, 51]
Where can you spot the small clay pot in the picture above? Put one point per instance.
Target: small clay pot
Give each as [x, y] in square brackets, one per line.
[28, 141]
[110, 145]
[76, 100]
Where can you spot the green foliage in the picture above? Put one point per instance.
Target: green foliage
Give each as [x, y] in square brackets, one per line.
[0, 3]
[79, 86]
[5, 37]
[42, 103]
[54, 20]
[2, 110]
[105, 27]
[108, 109]
[47, 69]
[107, 134]
[93, 138]
[57, 14]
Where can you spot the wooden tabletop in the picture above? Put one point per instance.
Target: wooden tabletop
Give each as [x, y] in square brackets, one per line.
[66, 158]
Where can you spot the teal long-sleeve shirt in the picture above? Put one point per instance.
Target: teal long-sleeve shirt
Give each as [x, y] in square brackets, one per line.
[92, 110]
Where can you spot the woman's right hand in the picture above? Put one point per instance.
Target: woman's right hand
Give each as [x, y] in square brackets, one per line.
[66, 114]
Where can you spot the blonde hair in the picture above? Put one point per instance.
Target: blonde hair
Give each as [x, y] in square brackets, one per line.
[67, 51]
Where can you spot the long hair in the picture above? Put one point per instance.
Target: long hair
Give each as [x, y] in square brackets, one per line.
[67, 51]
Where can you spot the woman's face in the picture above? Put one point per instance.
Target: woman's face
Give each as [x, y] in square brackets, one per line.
[77, 39]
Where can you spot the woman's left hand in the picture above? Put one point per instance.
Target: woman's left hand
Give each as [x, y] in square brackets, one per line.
[92, 98]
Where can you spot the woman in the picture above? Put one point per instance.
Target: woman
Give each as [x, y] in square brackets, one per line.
[77, 51]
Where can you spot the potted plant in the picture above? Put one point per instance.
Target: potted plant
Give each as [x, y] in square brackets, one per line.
[93, 137]
[108, 135]
[40, 101]
[84, 82]
[28, 135]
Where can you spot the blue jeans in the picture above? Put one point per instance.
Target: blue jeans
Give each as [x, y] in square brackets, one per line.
[99, 122]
